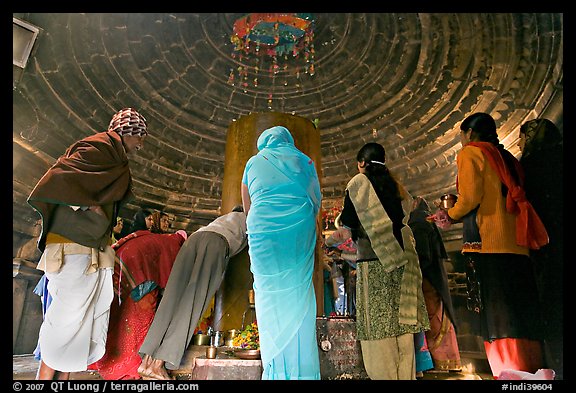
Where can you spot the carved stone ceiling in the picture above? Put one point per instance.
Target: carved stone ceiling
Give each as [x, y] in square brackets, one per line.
[403, 80]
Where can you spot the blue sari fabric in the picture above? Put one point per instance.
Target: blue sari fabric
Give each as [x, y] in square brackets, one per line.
[281, 225]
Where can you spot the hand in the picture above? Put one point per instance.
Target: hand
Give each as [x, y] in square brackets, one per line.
[339, 236]
[334, 252]
[182, 233]
[441, 219]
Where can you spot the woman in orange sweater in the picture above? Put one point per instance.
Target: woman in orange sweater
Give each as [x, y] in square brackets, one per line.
[499, 228]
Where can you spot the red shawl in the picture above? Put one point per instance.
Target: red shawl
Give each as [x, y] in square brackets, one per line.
[143, 262]
[530, 231]
[93, 171]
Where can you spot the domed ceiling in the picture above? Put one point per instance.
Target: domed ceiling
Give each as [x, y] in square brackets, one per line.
[403, 80]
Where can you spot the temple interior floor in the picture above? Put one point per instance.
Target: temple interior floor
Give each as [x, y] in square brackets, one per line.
[25, 367]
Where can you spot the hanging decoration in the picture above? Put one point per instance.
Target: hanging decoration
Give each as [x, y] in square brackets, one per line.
[274, 45]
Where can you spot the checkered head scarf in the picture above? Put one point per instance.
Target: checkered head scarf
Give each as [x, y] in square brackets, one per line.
[128, 122]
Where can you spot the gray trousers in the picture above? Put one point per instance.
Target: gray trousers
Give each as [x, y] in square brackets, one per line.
[196, 275]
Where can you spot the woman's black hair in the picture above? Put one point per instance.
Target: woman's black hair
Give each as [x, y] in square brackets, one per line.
[387, 188]
[541, 134]
[371, 151]
[139, 220]
[483, 129]
[374, 157]
[483, 126]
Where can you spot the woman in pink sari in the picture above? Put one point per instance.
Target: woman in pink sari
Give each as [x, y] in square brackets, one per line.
[143, 263]
[441, 338]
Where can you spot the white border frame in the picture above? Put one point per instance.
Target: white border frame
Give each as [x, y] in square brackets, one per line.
[28, 49]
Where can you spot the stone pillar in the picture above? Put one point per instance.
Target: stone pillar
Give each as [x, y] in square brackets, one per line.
[26, 306]
[232, 298]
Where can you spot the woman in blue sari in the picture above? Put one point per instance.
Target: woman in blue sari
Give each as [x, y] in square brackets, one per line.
[281, 196]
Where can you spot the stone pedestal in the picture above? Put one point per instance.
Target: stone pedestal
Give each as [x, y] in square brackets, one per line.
[340, 357]
[224, 367]
[340, 352]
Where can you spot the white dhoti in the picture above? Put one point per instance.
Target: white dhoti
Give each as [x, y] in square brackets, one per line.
[73, 334]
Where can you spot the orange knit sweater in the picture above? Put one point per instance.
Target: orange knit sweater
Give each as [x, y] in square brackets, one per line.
[479, 184]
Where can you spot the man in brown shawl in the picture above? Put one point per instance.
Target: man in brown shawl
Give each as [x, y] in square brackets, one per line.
[78, 200]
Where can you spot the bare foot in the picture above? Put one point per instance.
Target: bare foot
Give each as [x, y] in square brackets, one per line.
[158, 371]
[143, 367]
[153, 369]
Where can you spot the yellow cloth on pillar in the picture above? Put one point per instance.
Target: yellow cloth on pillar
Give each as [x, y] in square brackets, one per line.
[206, 319]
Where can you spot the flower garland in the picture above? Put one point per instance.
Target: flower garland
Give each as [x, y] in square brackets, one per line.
[248, 338]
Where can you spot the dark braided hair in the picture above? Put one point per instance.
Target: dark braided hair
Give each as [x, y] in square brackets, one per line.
[374, 157]
[483, 129]
[387, 188]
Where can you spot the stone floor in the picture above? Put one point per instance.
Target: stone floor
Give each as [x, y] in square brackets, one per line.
[24, 367]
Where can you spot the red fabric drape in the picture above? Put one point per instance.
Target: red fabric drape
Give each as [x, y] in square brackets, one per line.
[144, 261]
[513, 354]
[129, 324]
[143, 257]
[530, 231]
